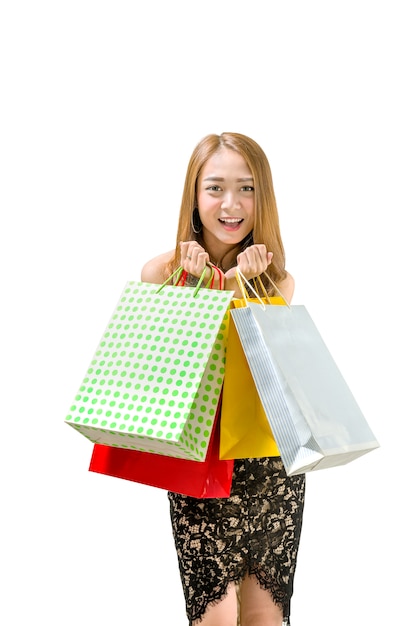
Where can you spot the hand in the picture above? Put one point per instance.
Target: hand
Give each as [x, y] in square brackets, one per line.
[193, 258]
[252, 262]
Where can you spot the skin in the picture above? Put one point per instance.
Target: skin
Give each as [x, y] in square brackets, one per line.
[225, 198]
[224, 194]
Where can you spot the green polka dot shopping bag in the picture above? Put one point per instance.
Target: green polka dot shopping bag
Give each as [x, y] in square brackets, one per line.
[155, 380]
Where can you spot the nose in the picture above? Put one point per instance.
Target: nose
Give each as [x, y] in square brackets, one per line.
[230, 201]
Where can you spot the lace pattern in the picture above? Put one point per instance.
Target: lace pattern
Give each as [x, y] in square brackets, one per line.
[256, 530]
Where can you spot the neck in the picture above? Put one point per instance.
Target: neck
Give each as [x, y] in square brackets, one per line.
[223, 257]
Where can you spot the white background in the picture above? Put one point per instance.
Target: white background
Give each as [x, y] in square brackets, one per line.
[101, 105]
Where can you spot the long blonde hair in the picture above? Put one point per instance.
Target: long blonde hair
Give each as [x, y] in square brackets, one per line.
[266, 219]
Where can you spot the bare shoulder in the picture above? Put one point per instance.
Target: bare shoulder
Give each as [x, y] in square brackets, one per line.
[154, 270]
[287, 287]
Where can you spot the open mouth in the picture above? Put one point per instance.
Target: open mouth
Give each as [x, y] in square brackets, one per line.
[231, 221]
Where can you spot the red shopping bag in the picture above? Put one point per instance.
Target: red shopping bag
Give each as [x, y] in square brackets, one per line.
[211, 478]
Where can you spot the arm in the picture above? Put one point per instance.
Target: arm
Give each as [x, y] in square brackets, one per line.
[252, 262]
[154, 270]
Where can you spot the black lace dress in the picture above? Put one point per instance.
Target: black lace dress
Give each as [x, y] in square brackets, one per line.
[256, 530]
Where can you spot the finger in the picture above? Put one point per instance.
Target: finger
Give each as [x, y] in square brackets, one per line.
[187, 250]
[260, 250]
[200, 260]
[194, 252]
[254, 260]
[251, 259]
[195, 260]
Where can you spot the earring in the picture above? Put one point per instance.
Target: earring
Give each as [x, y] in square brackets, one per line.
[196, 221]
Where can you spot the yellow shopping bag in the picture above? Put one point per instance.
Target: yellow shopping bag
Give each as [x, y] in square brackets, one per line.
[244, 429]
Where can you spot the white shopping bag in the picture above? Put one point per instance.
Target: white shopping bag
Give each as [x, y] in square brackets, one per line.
[313, 415]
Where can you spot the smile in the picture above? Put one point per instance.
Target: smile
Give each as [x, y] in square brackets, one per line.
[231, 220]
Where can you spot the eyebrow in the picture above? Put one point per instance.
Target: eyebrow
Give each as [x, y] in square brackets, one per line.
[218, 178]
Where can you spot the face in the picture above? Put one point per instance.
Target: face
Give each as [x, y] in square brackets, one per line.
[225, 197]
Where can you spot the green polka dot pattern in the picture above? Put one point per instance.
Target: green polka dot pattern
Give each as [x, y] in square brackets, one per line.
[156, 377]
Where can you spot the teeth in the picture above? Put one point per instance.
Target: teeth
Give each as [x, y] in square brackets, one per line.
[232, 220]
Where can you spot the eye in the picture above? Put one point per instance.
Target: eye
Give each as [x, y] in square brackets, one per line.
[247, 188]
[213, 188]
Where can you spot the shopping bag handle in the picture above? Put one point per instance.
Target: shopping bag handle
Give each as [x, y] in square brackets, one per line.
[241, 280]
[275, 286]
[175, 276]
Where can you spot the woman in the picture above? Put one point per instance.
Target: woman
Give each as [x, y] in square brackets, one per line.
[229, 219]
